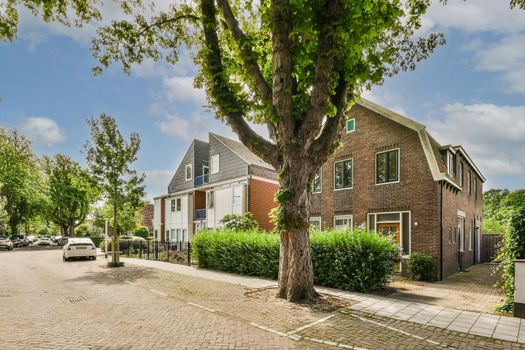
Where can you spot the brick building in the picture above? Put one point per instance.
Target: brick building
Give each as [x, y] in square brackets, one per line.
[146, 215]
[391, 176]
[214, 179]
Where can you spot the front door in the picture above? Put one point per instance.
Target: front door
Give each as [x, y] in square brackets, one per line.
[392, 229]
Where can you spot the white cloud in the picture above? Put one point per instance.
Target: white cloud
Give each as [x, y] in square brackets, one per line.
[494, 136]
[505, 57]
[42, 130]
[474, 16]
[181, 89]
[157, 182]
[388, 99]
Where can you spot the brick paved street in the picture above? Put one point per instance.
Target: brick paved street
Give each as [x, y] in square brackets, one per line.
[48, 304]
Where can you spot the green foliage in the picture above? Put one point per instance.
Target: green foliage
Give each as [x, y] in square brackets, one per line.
[498, 207]
[70, 191]
[357, 261]
[142, 232]
[493, 226]
[512, 248]
[422, 267]
[245, 222]
[21, 185]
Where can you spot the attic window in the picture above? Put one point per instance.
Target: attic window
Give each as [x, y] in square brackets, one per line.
[214, 164]
[188, 172]
[350, 125]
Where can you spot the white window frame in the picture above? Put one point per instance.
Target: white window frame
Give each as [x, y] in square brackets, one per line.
[321, 180]
[398, 167]
[173, 205]
[315, 219]
[213, 169]
[238, 188]
[340, 161]
[346, 125]
[450, 163]
[208, 195]
[461, 232]
[186, 172]
[344, 217]
[394, 221]
[177, 202]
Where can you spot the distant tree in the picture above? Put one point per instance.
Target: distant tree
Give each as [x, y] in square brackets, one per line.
[71, 191]
[109, 156]
[492, 203]
[19, 179]
[142, 231]
[244, 222]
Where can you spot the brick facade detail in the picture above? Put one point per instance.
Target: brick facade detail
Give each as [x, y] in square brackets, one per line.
[261, 201]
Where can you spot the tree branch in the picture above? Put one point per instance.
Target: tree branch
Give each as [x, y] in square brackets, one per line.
[333, 126]
[220, 91]
[247, 54]
[324, 66]
[162, 22]
[282, 67]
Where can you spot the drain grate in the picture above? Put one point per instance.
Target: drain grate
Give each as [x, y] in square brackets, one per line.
[76, 300]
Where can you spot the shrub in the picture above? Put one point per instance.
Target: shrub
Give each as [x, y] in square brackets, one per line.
[512, 247]
[234, 222]
[358, 261]
[422, 267]
[125, 242]
[142, 232]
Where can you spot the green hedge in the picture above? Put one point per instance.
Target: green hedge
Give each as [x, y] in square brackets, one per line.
[357, 261]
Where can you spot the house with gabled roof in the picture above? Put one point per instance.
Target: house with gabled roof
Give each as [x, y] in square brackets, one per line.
[214, 179]
[391, 176]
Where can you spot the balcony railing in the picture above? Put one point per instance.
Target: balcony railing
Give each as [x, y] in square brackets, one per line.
[200, 214]
[201, 180]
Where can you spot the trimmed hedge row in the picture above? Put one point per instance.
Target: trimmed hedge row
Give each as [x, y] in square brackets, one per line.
[357, 261]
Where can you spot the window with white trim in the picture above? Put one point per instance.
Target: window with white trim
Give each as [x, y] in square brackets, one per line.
[173, 205]
[188, 172]
[350, 125]
[461, 232]
[317, 184]
[343, 171]
[214, 164]
[210, 200]
[315, 223]
[342, 222]
[237, 195]
[387, 166]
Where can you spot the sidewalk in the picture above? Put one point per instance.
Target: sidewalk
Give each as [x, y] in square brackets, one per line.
[476, 323]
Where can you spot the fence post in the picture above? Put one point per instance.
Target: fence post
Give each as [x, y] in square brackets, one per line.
[189, 254]
[140, 250]
[147, 247]
[128, 249]
[168, 252]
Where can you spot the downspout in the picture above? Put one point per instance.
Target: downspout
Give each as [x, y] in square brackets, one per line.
[441, 245]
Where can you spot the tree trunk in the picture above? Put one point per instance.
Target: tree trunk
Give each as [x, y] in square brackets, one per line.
[115, 254]
[64, 230]
[296, 278]
[71, 229]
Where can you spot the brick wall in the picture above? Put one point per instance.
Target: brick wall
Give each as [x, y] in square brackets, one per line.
[261, 201]
[147, 217]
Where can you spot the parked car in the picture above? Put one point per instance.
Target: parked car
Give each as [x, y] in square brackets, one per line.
[79, 248]
[44, 241]
[62, 241]
[55, 239]
[19, 241]
[6, 243]
[31, 239]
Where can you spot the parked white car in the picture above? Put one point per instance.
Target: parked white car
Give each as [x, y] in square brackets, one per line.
[79, 248]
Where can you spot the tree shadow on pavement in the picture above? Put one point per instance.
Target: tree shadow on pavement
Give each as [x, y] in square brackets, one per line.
[114, 276]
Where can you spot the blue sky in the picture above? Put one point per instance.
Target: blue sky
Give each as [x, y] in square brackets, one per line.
[471, 91]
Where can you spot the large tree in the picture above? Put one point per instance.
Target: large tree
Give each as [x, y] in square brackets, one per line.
[19, 179]
[70, 190]
[109, 156]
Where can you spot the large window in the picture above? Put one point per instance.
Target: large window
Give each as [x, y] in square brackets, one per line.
[176, 204]
[237, 192]
[211, 199]
[461, 231]
[387, 167]
[214, 164]
[342, 222]
[460, 174]
[317, 185]
[315, 223]
[188, 172]
[343, 174]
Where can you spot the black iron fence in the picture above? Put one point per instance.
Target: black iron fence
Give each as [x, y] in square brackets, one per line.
[174, 252]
